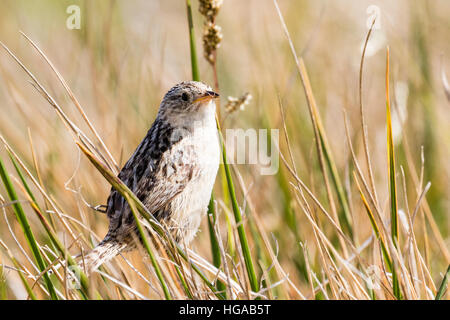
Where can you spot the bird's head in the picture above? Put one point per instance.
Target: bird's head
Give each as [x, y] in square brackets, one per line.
[188, 100]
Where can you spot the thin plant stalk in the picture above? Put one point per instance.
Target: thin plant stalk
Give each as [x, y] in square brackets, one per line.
[19, 271]
[323, 148]
[215, 247]
[194, 64]
[363, 122]
[23, 221]
[375, 227]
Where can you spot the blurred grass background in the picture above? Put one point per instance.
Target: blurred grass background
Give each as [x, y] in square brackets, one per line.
[127, 54]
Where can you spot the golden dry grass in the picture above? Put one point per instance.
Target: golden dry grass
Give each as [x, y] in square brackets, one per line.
[128, 54]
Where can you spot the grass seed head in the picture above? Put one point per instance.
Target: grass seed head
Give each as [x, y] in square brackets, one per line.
[210, 8]
[212, 37]
[234, 104]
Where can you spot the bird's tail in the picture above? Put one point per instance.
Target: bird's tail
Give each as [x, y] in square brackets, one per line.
[103, 252]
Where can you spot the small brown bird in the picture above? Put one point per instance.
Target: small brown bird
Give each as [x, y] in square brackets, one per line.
[172, 171]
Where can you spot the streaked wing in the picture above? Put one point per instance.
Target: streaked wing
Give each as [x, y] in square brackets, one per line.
[176, 169]
[159, 169]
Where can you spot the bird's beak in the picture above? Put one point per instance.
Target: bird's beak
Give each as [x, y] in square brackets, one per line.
[209, 95]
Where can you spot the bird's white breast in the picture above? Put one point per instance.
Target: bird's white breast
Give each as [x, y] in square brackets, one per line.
[190, 205]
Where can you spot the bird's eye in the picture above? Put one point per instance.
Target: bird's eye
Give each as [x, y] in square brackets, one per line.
[185, 96]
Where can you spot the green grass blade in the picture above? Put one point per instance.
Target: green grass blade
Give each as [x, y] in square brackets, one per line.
[344, 216]
[443, 285]
[3, 284]
[183, 282]
[215, 249]
[392, 182]
[194, 64]
[51, 234]
[23, 221]
[249, 265]
[391, 161]
[240, 227]
[375, 227]
[19, 271]
[24, 281]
